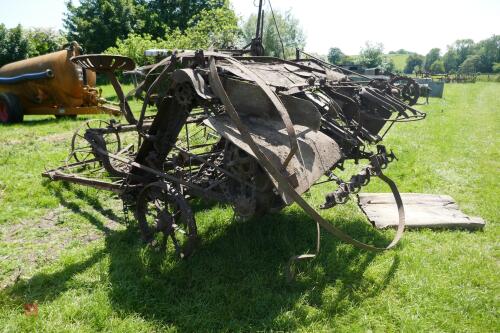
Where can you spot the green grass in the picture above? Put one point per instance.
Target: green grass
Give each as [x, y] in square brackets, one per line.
[72, 254]
[399, 61]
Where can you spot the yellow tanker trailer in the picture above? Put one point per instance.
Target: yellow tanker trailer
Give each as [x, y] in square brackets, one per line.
[49, 85]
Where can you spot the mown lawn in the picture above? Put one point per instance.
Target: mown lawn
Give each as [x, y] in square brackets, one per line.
[68, 249]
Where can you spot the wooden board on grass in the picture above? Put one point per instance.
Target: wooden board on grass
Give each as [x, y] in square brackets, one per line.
[421, 211]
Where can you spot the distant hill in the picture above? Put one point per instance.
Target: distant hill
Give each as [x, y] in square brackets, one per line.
[399, 60]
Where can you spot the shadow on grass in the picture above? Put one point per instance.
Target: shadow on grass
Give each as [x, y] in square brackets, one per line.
[91, 200]
[235, 281]
[112, 98]
[31, 122]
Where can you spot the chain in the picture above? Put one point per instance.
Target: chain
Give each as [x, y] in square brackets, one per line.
[378, 162]
[125, 212]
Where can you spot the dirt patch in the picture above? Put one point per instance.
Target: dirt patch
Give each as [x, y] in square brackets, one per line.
[57, 137]
[52, 138]
[30, 244]
[12, 142]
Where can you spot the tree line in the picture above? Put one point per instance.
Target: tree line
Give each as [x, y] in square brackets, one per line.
[18, 43]
[129, 27]
[371, 55]
[98, 24]
[101, 25]
[462, 56]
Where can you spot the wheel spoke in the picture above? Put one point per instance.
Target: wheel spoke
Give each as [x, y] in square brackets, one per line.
[86, 156]
[172, 217]
[177, 247]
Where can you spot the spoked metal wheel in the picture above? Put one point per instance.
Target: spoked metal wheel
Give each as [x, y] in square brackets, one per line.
[81, 150]
[410, 90]
[164, 214]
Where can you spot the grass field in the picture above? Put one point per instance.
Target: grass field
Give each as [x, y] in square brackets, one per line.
[68, 248]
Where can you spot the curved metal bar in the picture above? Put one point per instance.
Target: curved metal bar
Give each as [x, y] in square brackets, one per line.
[165, 71]
[277, 104]
[124, 106]
[47, 74]
[286, 187]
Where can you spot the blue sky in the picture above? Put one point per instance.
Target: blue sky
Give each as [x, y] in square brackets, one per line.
[415, 25]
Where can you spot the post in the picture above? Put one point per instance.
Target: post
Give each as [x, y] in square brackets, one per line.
[259, 19]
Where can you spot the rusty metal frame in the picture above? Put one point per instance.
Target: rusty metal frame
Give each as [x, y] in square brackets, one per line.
[351, 118]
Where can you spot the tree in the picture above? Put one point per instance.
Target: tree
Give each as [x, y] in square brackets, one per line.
[335, 56]
[388, 65]
[3, 43]
[213, 28]
[431, 57]
[18, 44]
[489, 53]
[14, 45]
[463, 48]
[371, 55]
[437, 67]
[350, 60]
[43, 41]
[162, 16]
[134, 46]
[412, 61]
[496, 67]
[470, 65]
[97, 24]
[289, 29]
[450, 60]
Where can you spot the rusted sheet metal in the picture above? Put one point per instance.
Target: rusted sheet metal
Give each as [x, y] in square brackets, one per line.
[250, 100]
[317, 152]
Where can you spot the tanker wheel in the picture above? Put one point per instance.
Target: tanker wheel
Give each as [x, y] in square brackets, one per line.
[164, 214]
[10, 109]
[81, 150]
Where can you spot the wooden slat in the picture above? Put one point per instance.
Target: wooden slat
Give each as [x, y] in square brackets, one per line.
[422, 211]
